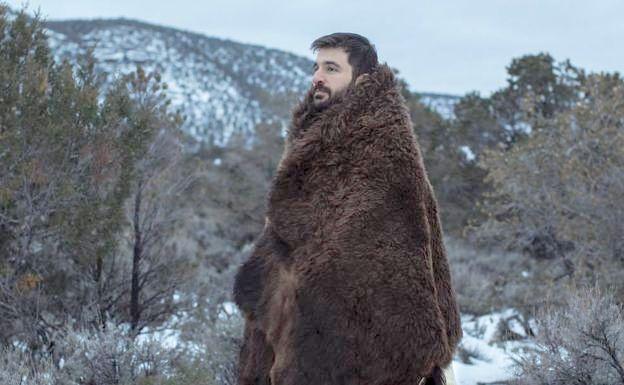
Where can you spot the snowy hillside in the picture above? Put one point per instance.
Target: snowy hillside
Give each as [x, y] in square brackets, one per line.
[221, 86]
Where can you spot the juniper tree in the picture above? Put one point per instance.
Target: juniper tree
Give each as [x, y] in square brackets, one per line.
[70, 153]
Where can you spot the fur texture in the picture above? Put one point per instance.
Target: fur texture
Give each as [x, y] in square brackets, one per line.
[349, 282]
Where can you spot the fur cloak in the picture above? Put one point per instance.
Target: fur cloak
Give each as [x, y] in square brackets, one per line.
[349, 281]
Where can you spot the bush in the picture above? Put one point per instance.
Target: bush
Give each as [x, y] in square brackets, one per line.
[20, 368]
[579, 343]
[492, 279]
[109, 355]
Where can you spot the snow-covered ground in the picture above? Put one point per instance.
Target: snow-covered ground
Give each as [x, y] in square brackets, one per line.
[492, 365]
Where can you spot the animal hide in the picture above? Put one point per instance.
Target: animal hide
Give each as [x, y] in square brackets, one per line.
[349, 282]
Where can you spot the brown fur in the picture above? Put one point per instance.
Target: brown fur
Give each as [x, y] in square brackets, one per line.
[349, 282]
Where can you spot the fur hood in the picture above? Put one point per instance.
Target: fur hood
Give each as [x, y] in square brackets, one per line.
[349, 281]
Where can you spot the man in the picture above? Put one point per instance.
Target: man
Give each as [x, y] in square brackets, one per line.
[349, 281]
[333, 74]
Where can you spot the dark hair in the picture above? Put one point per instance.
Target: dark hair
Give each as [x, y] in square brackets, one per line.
[362, 55]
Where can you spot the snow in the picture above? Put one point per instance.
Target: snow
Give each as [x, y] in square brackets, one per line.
[493, 364]
[496, 362]
[468, 152]
[168, 338]
[442, 104]
[230, 307]
[198, 70]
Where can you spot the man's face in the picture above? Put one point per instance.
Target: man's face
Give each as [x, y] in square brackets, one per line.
[332, 76]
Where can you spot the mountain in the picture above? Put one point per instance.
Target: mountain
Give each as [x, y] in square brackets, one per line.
[222, 86]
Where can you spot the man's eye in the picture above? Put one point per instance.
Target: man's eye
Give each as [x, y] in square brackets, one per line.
[331, 69]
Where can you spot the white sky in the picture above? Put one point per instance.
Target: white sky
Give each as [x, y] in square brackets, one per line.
[451, 46]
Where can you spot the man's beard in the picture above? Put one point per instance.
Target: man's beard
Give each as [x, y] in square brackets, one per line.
[318, 105]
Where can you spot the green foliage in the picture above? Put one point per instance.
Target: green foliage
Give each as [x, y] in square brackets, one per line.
[537, 88]
[554, 85]
[557, 195]
[68, 165]
[457, 181]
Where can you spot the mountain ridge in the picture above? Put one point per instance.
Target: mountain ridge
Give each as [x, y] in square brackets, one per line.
[223, 87]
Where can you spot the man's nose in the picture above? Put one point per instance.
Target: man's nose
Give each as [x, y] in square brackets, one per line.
[317, 78]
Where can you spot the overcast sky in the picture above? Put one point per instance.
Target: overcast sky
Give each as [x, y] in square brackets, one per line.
[452, 46]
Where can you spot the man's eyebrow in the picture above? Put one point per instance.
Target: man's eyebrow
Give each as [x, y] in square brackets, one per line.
[326, 62]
